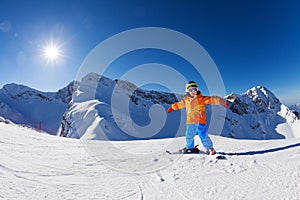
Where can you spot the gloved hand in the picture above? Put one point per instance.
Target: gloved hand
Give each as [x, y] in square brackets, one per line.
[170, 110]
[225, 104]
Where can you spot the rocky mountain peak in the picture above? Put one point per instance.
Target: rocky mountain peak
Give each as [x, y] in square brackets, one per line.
[263, 97]
[256, 100]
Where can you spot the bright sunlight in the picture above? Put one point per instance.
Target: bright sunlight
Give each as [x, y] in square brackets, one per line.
[52, 52]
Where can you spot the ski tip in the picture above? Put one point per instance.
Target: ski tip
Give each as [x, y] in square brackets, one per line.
[220, 157]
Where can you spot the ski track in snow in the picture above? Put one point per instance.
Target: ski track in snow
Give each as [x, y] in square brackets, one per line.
[39, 166]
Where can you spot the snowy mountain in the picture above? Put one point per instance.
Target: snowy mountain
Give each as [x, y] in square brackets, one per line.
[40, 166]
[257, 114]
[27, 106]
[296, 109]
[85, 109]
[92, 115]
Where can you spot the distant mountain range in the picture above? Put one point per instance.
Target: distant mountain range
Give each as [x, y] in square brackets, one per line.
[33, 108]
[296, 109]
[100, 108]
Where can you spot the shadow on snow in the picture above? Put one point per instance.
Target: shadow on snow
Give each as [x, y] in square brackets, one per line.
[260, 151]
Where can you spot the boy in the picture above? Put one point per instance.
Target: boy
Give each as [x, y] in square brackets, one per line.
[194, 103]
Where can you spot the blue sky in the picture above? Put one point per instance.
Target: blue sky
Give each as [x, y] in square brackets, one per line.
[252, 42]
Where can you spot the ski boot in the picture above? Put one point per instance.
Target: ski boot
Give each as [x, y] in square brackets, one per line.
[211, 151]
[192, 150]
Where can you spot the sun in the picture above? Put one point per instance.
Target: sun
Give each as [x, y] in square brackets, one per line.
[52, 52]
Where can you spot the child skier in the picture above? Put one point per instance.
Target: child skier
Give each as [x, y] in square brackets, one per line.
[194, 103]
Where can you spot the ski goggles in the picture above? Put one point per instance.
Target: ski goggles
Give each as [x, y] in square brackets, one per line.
[193, 89]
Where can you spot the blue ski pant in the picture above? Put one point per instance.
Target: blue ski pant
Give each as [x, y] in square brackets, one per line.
[191, 131]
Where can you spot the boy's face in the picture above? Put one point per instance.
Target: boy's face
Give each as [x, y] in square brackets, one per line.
[193, 91]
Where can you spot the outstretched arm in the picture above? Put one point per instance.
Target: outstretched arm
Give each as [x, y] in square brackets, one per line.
[176, 106]
[215, 100]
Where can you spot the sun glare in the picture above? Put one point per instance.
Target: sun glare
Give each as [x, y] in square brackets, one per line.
[52, 52]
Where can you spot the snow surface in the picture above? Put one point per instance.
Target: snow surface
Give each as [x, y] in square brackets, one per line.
[40, 166]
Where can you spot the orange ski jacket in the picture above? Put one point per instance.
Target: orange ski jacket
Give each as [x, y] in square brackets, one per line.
[195, 107]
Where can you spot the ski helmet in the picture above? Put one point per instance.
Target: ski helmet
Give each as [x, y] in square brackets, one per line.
[191, 84]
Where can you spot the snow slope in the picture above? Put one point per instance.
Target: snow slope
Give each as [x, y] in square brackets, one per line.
[40, 166]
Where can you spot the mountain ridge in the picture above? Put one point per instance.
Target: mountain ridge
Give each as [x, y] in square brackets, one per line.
[256, 114]
[41, 110]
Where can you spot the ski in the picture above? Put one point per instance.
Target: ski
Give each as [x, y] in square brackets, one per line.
[219, 156]
[216, 156]
[180, 152]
